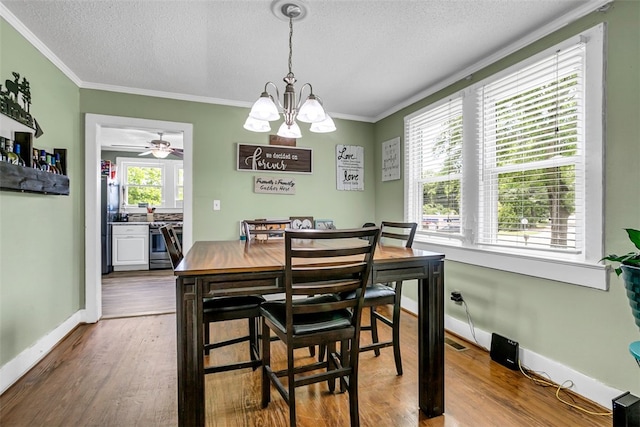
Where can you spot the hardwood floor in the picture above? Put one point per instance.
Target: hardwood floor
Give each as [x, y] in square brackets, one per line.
[122, 372]
[138, 293]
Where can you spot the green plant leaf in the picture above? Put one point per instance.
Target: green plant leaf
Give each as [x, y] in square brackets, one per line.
[634, 236]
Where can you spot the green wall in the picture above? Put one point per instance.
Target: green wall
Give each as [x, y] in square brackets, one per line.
[41, 236]
[585, 329]
[216, 130]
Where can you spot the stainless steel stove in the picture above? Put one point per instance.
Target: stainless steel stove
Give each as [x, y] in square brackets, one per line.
[158, 255]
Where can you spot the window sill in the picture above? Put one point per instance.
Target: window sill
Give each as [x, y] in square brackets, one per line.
[577, 273]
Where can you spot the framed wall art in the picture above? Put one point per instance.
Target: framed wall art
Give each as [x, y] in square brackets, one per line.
[325, 224]
[391, 159]
[301, 222]
[274, 158]
[350, 167]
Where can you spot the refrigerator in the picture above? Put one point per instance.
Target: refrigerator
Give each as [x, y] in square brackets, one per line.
[110, 192]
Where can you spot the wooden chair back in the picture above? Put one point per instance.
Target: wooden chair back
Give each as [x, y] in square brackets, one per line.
[173, 244]
[262, 229]
[344, 265]
[403, 231]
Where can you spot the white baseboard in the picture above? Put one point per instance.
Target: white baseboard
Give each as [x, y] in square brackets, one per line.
[13, 370]
[583, 385]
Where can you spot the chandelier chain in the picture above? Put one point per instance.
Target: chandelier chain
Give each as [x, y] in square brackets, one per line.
[290, 42]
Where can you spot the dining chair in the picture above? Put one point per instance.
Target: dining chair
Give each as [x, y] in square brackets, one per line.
[319, 265]
[261, 230]
[381, 294]
[220, 309]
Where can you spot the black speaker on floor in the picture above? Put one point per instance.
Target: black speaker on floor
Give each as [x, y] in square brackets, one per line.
[626, 410]
[504, 351]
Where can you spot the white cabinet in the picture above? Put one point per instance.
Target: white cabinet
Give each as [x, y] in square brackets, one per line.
[130, 247]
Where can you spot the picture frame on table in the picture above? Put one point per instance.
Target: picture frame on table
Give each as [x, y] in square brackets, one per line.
[324, 224]
[301, 222]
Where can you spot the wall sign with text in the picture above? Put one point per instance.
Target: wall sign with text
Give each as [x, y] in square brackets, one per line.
[391, 159]
[273, 185]
[350, 167]
[274, 158]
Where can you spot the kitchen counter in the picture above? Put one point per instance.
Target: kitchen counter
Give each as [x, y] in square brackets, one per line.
[130, 223]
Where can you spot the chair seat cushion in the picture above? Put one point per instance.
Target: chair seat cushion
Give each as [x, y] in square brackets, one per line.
[233, 303]
[373, 292]
[307, 323]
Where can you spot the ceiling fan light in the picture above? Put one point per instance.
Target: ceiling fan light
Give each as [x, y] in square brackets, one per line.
[264, 109]
[324, 126]
[255, 125]
[160, 153]
[292, 131]
[311, 111]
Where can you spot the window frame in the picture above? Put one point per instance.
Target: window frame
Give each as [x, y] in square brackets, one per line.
[583, 268]
[169, 170]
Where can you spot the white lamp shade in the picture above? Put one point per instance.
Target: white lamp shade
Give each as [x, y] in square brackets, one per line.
[255, 125]
[324, 126]
[311, 111]
[160, 153]
[290, 132]
[264, 109]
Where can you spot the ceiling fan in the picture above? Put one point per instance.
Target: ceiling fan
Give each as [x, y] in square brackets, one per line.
[161, 148]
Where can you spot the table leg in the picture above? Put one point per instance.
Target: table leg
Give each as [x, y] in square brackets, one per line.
[431, 341]
[190, 359]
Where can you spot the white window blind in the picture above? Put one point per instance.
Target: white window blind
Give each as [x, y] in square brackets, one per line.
[518, 184]
[532, 155]
[434, 167]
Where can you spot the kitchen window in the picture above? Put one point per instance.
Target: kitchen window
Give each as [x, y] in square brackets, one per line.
[508, 172]
[157, 182]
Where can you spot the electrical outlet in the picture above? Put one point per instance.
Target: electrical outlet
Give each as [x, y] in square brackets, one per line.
[456, 296]
[216, 205]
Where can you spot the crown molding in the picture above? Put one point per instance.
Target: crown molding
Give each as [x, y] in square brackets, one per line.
[555, 25]
[35, 41]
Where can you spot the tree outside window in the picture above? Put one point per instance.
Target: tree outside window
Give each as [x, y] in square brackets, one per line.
[144, 185]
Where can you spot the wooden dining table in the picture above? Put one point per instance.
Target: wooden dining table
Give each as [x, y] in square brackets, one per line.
[219, 268]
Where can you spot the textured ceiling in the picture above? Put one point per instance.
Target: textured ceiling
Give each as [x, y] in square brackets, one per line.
[365, 59]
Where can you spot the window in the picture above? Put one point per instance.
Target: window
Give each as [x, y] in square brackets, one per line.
[436, 167]
[157, 182]
[512, 166]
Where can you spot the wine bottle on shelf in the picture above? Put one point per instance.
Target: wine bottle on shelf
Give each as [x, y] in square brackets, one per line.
[52, 167]
[3, 151]
[12, 157]
[42, 162]
[59, 164]
[34, 159]
[19, 159]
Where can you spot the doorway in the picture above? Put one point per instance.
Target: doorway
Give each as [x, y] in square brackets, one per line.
[93, 127]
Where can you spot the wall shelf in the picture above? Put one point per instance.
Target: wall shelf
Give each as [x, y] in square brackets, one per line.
[30, 180]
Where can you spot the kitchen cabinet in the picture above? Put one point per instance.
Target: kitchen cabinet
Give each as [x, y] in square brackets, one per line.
[130, 246]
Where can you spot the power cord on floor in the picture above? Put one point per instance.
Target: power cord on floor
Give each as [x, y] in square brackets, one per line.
[471, 325]
[559, 387]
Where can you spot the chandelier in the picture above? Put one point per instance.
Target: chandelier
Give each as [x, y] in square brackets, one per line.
[264, 110]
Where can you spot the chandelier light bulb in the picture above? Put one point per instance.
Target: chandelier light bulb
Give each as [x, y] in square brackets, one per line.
[256, 125]
[311, 111]
[264, 108]
[292, 131]
[324, 126]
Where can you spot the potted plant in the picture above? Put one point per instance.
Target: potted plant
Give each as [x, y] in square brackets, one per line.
[629, 267]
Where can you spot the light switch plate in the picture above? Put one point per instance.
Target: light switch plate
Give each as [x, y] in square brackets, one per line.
[216, 205]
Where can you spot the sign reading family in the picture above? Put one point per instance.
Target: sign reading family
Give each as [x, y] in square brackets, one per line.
[274, 158]
[350, 167]
[272, 185]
